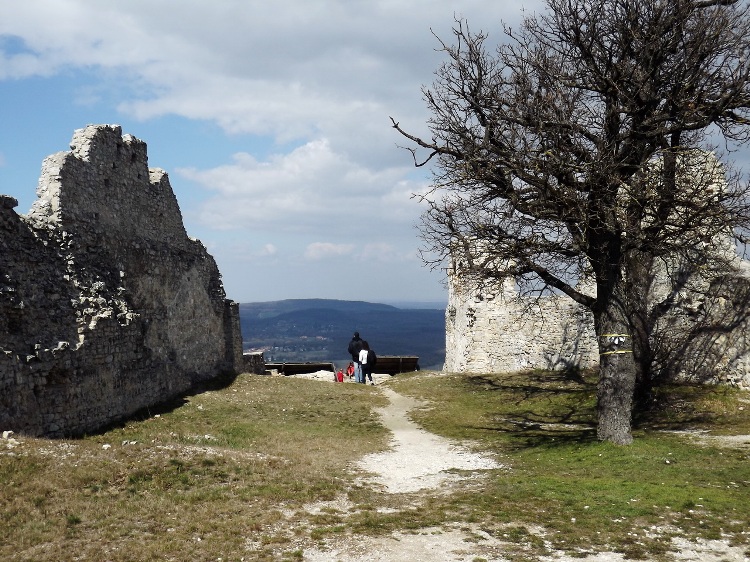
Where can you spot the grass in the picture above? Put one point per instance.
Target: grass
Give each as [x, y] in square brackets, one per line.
[586, 494]
[206, 480]
[227, 473]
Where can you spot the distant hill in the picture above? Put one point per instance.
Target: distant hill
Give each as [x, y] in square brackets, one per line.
[320, 330]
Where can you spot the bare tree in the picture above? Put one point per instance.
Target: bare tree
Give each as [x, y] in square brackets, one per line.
[558, 156]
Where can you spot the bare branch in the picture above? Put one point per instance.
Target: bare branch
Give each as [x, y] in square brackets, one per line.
[577, 148]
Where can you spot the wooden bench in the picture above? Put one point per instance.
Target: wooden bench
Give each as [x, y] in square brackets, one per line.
[394, 364]
[299, 368]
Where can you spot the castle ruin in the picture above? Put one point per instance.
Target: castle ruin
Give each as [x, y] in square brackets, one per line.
[704, 336]
[501, 331]
[106, 305]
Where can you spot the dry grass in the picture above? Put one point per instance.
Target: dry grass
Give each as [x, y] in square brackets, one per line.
[209, 479]
[260, 470]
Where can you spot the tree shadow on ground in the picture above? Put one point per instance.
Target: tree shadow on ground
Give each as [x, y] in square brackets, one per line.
[541, 408]
[553, 408]
[683, 406]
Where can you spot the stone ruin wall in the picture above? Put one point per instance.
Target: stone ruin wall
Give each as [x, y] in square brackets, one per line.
[502, 332]
[106, 305]
[490, 332]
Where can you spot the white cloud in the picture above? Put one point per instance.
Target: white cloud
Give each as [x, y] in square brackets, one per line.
[322, 250]
[296, 69]
[383, 252]
[312, 186]
[268, 250]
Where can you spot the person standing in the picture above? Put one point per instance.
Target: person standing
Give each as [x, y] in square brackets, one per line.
[366, 366]
[372, 360]
[355, 346]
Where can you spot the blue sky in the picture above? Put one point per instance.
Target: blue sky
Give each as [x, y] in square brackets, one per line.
[271, 118]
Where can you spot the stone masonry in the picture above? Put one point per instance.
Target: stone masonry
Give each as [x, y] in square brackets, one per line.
[501, 331]
[106, 305]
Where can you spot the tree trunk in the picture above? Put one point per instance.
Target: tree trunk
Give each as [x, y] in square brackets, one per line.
[638, 282]
[617, 371]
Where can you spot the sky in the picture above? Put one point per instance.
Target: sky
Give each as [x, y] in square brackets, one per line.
[272, 120]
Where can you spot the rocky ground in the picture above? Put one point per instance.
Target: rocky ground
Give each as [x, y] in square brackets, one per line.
[419, 461]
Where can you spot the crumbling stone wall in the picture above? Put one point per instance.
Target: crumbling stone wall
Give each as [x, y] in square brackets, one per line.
[254, 362]
[499, 331]
[106, 305]
[706, 338]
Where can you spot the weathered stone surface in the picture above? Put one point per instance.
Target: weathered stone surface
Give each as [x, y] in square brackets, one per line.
[254, 363]
[106, 305]
[706, 338]
[502, 332]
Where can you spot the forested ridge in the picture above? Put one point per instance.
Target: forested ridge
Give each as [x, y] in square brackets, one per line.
[320, 330]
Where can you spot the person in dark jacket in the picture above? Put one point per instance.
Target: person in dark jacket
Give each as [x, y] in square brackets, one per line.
[368, 358]
[355, 346]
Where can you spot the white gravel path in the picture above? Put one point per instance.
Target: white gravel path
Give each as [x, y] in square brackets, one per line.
[417, 459]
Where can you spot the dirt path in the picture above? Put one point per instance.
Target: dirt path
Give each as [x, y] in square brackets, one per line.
[419, 461]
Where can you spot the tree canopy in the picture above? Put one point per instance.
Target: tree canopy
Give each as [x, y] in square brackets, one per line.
[580, 147]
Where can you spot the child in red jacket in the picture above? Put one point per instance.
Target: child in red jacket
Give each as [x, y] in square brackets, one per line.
[340, 376]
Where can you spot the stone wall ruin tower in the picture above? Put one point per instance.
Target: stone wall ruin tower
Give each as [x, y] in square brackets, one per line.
[106, 305]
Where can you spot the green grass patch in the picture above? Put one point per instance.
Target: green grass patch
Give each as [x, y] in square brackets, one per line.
[588, 494]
